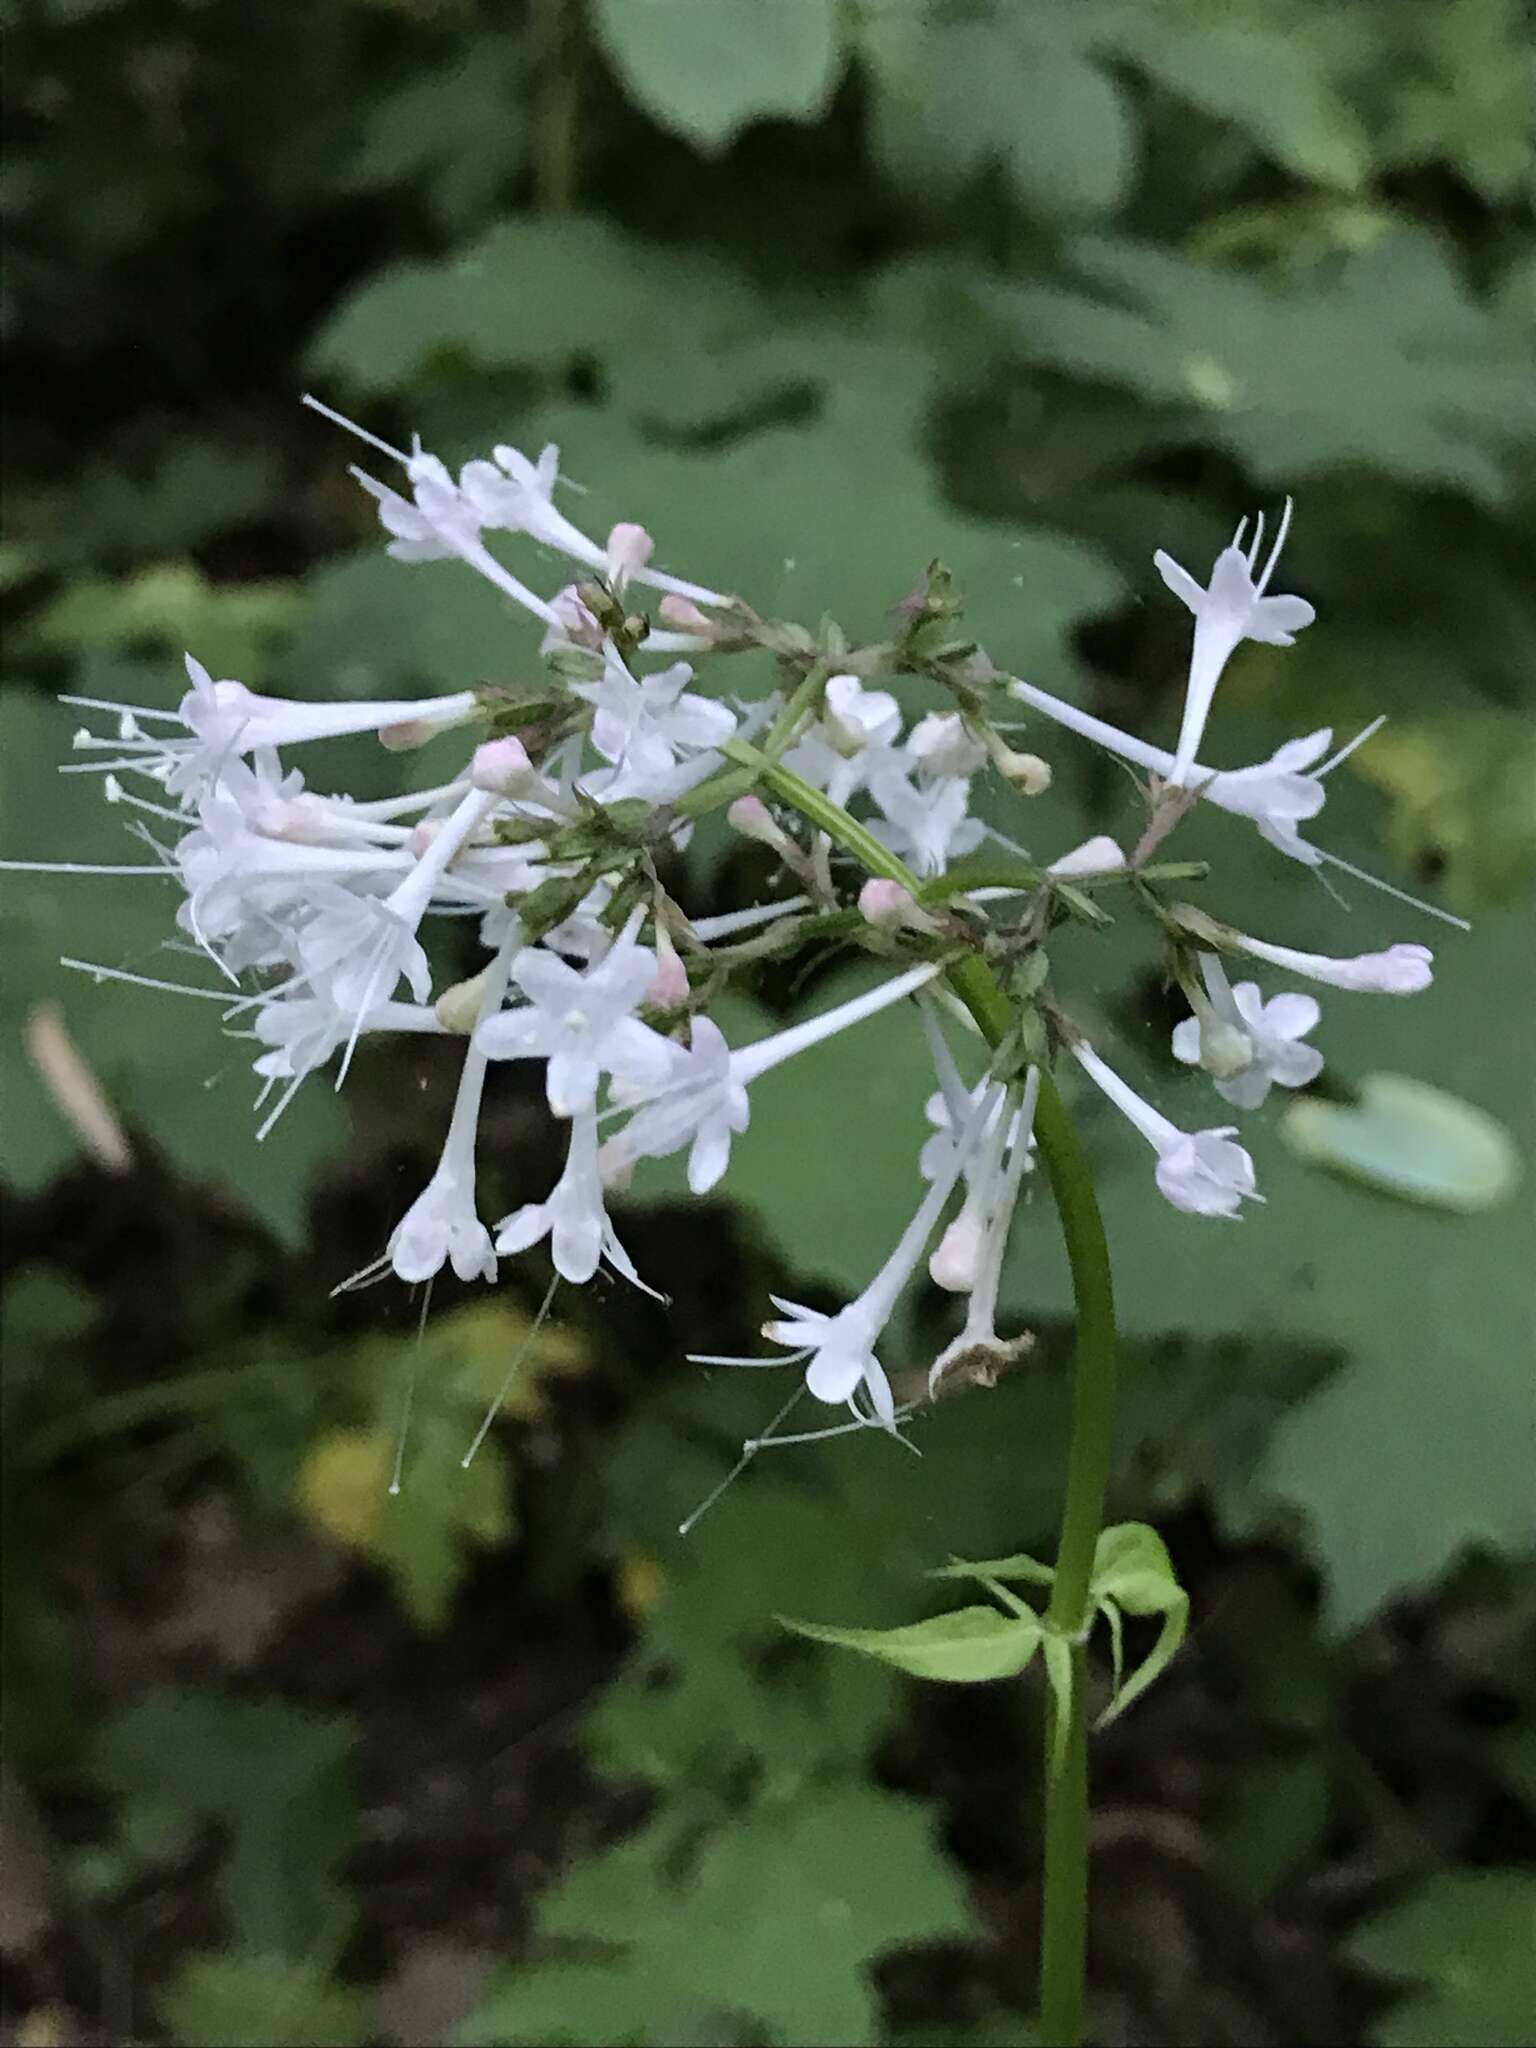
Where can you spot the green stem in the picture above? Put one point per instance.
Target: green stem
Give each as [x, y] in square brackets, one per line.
[555, 142]
[1064, 1920]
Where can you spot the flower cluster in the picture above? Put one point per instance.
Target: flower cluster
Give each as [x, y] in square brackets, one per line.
[570, 798]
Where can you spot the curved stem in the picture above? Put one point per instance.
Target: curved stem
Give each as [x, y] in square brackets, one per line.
[1064, 1920]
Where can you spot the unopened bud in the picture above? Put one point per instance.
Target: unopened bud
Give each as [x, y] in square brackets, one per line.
[890, 907]
[629, 549]
[669, 989]
[1097, 856]
[500, 767]
[424, 834]
[683, 614]
[751, 817]
[457, 1009]
[956, 1262]
[1027, 773]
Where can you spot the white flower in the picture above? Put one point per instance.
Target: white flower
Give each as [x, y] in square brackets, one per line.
[443, 1225]
[838, 1351]
[940, 745]
[1097, 856]
[703, 1101]
[1233, 609]
[978, 1239]
[573, 1218]
[643, 724]
[1202, 1172]
[1245, 1044]
[582, 1023]
[1402, 970]
[1279, 794]
[924, 821]
[855, 732]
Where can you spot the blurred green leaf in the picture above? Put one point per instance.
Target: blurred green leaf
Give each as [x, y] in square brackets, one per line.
[169, 610]
[1467, 1938]
[1409, 1139]
[458, 132]
[1018, 88]
[706, 69]
[831, 1881]
[247, 1998]
[1380, 358]
[278, 1779]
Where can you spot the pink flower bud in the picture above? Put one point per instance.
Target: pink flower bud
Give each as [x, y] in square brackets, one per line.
[629, 549]
[500, 766]
[669, 990]
[407, 734]
[889, 907]
[683, 614]
[424, 834]
[751, 817]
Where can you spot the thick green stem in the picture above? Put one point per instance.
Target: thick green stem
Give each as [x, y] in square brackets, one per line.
[1064, 1921]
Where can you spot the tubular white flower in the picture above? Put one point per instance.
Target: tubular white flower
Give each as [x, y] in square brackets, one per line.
[1097, 856]
[940, 745]
[1233, 609]
[644, 724]
[924, 821]
[1245, 1044]
[582, 1022]
[443, 1225]
[1402, 970]
[704, 1104]
[1201, 1172]
[978, 1343]
[573, 1218]
[854, 734]
[838, 1351]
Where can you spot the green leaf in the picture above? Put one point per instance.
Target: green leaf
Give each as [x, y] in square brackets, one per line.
[1016, 88]
[706, 69]
[1029, 1569]
[234, 630]
[1378, 359]
[1274, 1820]
[1133, 1574]
[528, 294]
[832, 1880]
[1269, 82]
[966, 1647]
[458, 132]
[245, 1998]
[1467, 1938]
[1409, 1139]
[278, 1779]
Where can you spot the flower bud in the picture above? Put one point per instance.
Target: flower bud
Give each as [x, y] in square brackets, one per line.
[423, 835]
[458, 1008]
[1098, 856]
[1027, 773]
[669, 989]
[501, 767]
[751, 817]
[956, 1262]
[629, 549]
[889, 907]
[684, 616]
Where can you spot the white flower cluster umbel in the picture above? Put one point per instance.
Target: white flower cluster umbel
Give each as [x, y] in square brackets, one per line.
[547, 833]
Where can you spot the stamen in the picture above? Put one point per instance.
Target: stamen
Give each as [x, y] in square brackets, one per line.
[1274, 553]
[340, 419]
[77, 867]
[512, 1370]
[410, 1388]
[1389, 889]
[1359, 740]
[135, 710]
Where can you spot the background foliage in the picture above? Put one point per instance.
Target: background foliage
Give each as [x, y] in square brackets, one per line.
[820, 289]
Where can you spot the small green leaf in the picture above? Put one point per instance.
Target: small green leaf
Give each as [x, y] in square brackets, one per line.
[1133, 1574]
[1020, 1566]
[1409, 1139]
[966, 1647]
